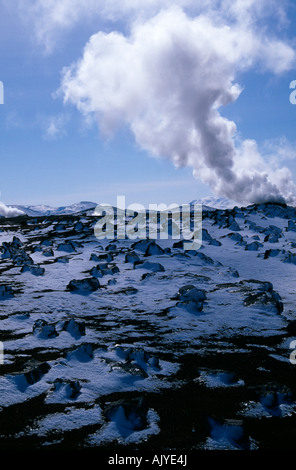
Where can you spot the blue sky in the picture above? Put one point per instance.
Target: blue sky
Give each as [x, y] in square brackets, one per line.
[54, 152]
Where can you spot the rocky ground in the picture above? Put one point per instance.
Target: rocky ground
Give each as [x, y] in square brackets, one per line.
[142, 345]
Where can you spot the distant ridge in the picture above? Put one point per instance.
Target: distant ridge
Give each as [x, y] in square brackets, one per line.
[41, 210]
[210, 202]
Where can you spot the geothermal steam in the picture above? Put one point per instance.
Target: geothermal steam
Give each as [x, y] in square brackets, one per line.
[6, 211]
[169, 81]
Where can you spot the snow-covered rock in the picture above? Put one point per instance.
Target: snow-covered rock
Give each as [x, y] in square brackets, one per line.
[68, 247]
[90, 284]
[5, 291]
[129, 415]
[31, 376]
[44, 330]
[191, 298]
[253, 246]
[155, 267]
[33, 269]
[131, 257]
[74, 327]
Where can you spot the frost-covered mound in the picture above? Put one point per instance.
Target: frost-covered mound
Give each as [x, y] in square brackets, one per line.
[140, 344]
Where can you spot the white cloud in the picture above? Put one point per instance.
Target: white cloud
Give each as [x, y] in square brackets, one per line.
[168, 80]
[54, 126]
[53, 18]
[6, 211]
[279, 150]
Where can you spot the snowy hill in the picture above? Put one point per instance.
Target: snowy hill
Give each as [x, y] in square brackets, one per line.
[210, 202]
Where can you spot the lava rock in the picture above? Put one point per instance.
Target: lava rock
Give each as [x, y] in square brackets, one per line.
[271, 253]
[235, 237]
[31, 376]
[90, 284]
[265, 298]
[191, 298]
[214, 242]
[16, 242]
[131, 415]
[104, 270]
[6, 291]
[190, 292]
[131, 257]
[129, 368]
[154, 249]
[142, 245]
[290, 258]
[291, 327]
[67, 246]
[48, 252]
[107, 257]
[206, 236]
[155, 267]
[83, 353]
[254, 246]
[44, 330]
[111, 247]
[67, 388]
[74, 327]
[34, 269]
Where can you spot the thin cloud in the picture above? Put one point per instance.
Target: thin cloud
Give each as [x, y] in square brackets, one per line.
[55, 126]
[52, 19]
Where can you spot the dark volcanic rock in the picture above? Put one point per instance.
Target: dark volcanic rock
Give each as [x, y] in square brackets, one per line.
[69, 247]
[83, 353]
[155, 267]
[107, 257]
[154, 249]
[33, 269]
[83, 285]
[265, 298]
[5, 291]
[32, 375]
[191, 298]
[44, 329]
[131, 257]
[253, 246]
[291, 327]
[69, 388]
[131, 414]
[74, 327]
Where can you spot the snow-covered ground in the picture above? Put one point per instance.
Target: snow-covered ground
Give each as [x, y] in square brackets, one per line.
[123, 342]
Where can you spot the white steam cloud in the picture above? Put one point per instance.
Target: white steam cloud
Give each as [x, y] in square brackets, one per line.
[168, 81]
[51, 19]
[6, 211]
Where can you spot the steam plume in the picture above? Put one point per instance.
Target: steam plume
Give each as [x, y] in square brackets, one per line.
[169, 81]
